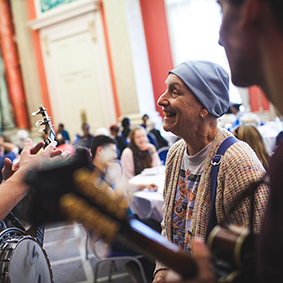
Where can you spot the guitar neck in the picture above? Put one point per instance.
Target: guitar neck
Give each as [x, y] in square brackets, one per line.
[150, 243]
[66, 191]
[130, 232]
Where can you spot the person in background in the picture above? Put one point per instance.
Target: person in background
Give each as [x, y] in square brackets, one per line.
[145, 117]
[236, 110]
[227, 120]
[7, 150]
[86, 139]
[61, 130]
[120, 140]
[22, 136]
[139, 154]
[252, 36]
[63, 144]
[104, 154]
[101, 131]
[126, 124]
[150, 128]
[251, 135]
[279, 139]
[103, 150]
[197, 93]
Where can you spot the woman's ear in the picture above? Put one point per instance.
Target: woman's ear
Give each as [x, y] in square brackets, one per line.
[203, 113]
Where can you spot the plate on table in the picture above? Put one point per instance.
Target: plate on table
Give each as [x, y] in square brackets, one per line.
[150, 171]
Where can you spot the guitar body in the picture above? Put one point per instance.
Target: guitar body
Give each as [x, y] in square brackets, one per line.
[233, 251]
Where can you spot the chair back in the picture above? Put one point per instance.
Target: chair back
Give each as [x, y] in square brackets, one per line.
[162, 152]
[152, 139]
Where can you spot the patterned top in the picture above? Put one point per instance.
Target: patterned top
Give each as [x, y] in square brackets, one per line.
[239, 167]
[189, 177]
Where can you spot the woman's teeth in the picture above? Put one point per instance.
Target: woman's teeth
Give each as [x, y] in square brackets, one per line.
[168, 114]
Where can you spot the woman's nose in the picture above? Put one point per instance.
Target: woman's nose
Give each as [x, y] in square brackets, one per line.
[162, 99]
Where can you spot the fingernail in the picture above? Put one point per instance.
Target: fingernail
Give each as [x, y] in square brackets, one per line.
[65, 154]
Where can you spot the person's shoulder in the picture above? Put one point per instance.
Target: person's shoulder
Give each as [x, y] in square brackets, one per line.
[127, 152]
[175, 148]
[240, 154]
[177, 144]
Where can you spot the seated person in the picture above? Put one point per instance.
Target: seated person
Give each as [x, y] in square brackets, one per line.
[86, 139]
[145, 117]
[103, 151]
[121, 142]
[61, 130]
[253, 137]
[162, 142]
[63, 144]
[139, 154]
[126, 124]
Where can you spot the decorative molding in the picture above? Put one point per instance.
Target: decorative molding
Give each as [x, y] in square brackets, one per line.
[45, 40]
[64, 12]
[92, 30]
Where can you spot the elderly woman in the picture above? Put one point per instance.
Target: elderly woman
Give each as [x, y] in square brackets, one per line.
[197, 94]
[140, 154]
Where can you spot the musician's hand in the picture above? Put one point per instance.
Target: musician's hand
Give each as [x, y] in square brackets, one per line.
[31, 157]
[160, 276]
[9, 169]
[203, 259]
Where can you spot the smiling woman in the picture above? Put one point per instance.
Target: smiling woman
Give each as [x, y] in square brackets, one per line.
[139, 154]
[197, 93]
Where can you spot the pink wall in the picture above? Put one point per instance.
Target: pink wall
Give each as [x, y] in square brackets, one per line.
[158, 45]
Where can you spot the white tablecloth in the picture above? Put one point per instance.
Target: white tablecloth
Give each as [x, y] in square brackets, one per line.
[269, 131]
[147, 204]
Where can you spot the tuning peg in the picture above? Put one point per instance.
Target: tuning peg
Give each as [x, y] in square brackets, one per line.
[35, 113]
[40, 110]
[39, 123]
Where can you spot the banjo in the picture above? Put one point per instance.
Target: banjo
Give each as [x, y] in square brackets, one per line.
[22, 256]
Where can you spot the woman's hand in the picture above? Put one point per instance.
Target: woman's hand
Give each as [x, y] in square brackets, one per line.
[151, 187]
[160, 276]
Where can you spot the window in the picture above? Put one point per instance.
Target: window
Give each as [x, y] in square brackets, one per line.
[194, 30]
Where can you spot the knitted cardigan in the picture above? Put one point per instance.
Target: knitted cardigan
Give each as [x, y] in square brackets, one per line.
[239, 167]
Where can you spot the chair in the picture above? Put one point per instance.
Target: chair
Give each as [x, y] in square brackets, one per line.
[162, 152]
[137, 273]
[152, 139]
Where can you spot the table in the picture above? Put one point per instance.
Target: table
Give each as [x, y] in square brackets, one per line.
[269, 132]
[147, 204]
